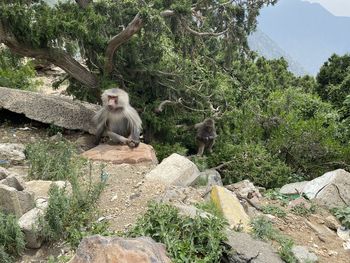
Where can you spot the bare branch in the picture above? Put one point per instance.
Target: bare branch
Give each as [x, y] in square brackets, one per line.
[167, 13]
[134, 26]
[53, 55]
[83, 3]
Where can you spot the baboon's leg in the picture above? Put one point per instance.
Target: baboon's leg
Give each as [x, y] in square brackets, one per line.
[201, 147]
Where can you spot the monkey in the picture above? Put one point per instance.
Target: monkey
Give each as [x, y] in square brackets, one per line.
[206, 134]
[118, 119]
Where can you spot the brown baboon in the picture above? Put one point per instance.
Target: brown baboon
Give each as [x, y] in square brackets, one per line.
[118, 119]
[206, 134]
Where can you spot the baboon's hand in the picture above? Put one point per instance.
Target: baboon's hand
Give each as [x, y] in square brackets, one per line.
[132, 143]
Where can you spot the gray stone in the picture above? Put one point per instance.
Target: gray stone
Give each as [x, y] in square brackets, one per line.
[331, 189]
[98, 249]
[13, 152]
[3, 173]
[191, 211]
[31, 227]
[294, 188]
[303, 255]
[61, 111]
[41, 188]
[247, 249]
[245, 189]
[14, 182]
[15, 202]
[174, 170]
[210, 177]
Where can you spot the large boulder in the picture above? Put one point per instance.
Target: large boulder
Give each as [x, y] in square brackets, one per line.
[14, 181]
[61, 111]
[14, 201]
[331, 189]
[209, 177]
[30, 225]
[12, 152]
[293, 188]
[231, 208]
[174, 170]
[98, 249]
[246, 249]
[119, 154]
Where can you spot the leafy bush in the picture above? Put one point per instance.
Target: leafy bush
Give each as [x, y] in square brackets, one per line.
[14, 72]
[274, 210]
[163, 150]
[253, 162]
[343, 215]
[186, 239]
[4, 257]
[50, 160]
[302, 210]
[11, 237]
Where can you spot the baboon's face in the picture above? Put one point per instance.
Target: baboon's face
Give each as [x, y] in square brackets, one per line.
[112, 103]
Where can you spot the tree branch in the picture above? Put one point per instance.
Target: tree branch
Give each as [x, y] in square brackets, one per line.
[201, 34]
[134, 26]
[53, 55]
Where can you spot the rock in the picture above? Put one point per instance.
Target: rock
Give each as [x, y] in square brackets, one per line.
[181, 195]
[191, 211]
[294, 188]
[303, 255]
[246, 249]
[98, 249]
[331, 189]
[174, 170]
[245, 189]
[13, 152]
[209, 177]
[15, 202]
[343, 233]
[119, 154]
[331, 222]
[41, 188]
[3, 173]
[231, 208]
[85, 142]
[61, 111]
[31, 227]
[14, 182]
[300, 201]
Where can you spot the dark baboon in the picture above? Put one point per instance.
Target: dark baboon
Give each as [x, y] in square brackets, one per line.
[118, 119]
[206, 134]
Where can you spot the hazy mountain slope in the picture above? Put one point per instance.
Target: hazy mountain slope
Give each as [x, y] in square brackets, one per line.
[306, 31]
[265, 46]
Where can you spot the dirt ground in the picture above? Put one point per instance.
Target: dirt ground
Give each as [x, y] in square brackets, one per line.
[127, 192]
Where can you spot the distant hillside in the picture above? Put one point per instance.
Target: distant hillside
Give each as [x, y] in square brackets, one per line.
[306, 31]
[265, 46]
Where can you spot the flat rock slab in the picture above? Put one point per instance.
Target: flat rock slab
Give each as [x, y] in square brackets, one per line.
[61, 111]
[119, 154]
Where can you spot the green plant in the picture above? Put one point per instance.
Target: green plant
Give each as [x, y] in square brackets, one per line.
[303, 210]
[187, 239]
[263, 229]
[274, 210]
[4, 257]
[163, 150]
[50, 160]
[53, 130]
[11, 236]
[343, 215]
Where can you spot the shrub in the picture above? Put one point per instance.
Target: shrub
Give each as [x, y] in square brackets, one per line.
[343, 215]
[4, 257]
[11, 237]
[186, 239]
[274, 210]
[163, 150]
[253, 162]
[51, 160]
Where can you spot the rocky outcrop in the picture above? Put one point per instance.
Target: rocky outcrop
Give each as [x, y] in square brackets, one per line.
[41, 188]
[119, 250]
[294, 188]
[61, 111]
[174, 170]
[119, 154]
[209, 178]
[331, 189]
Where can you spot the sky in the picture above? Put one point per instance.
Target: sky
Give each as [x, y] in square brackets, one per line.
[336, 7]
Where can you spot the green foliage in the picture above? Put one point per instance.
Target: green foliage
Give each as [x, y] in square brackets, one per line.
[303, 210]
[4, 257]
[70, 216]
[263, 229]
[253, 162]
[274, 210]
[53, 130]
[164, 150]
[53, 160]
[11, 237]
[343, 215]
[186, 239]
[15, 73]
